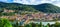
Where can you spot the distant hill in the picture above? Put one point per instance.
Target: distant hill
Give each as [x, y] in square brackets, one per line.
[46, 7]
[16, 6]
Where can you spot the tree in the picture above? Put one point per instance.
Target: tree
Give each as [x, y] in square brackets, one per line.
[37, 24]
[57, 24]
[27, 25]
[40, 25]
[32, 25]
[5, 23]
[48, 24]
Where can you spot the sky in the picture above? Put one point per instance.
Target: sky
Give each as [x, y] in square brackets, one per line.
[33, 2]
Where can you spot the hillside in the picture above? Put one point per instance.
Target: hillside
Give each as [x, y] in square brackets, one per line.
[46, 7]
[16, 6]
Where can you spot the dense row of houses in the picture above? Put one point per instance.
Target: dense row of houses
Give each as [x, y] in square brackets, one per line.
[41, 16]
[32, 16]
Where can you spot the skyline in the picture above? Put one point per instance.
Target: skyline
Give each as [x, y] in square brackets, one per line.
[33, 2]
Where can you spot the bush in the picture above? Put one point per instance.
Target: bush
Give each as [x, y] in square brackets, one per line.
[5, 23]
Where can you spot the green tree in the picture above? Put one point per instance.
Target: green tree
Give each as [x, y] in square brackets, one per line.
[48, 25]
[37, 24]
[5, 23]
[40, 25]
[32, 25]
[57, 24]
[27, 25]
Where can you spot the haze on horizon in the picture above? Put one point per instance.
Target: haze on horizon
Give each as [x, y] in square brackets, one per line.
[33, 2]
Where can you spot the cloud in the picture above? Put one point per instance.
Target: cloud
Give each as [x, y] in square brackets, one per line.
[24, 1]
[3, 0]
[57, 3]
[33, 2]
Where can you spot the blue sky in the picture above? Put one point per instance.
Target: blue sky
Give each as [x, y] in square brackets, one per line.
[33, 2]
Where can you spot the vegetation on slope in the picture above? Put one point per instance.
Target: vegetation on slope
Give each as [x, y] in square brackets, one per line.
[46, 7]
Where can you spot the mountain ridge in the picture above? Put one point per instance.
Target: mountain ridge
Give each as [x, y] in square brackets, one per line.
[45, 7]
